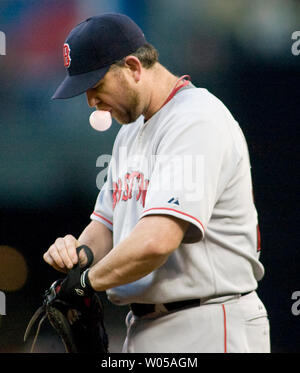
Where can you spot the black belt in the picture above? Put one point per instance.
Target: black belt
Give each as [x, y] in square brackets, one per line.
[142, 309]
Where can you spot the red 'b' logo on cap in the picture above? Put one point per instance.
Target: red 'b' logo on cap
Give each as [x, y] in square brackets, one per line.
[66, 54]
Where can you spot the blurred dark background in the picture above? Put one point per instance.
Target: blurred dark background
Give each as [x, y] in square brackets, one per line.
[239, 50]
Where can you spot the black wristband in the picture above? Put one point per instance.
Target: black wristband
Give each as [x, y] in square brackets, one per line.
[89, 254]
[85, 281]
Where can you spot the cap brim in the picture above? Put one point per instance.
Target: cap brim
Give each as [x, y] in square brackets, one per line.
[75, 85]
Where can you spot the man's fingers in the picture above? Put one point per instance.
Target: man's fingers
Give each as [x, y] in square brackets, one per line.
[60, 251]
[54, 254]
[48, 259]
[71, 243]
[62, 254]
[82, 258]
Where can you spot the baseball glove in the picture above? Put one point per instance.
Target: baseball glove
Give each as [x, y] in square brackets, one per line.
[79, 323]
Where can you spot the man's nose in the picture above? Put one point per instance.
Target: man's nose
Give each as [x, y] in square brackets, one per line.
[92, 98]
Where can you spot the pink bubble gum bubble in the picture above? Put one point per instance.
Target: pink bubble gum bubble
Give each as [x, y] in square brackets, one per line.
[100, 120]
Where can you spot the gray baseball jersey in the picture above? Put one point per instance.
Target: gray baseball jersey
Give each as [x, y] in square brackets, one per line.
[189, 160]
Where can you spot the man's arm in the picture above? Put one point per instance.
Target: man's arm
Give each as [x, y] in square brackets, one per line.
[99, 239]
[62, 254]
[148, 246]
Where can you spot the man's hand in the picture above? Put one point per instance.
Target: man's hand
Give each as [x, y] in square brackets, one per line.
[74, 310]
[62, 255]
[75, 286]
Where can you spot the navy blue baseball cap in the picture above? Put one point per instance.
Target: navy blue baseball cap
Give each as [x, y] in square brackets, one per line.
[92, 47]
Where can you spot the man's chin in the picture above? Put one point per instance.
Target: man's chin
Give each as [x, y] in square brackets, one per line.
[123, 121]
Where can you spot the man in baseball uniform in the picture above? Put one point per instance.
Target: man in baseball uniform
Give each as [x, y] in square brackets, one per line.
[174, 231]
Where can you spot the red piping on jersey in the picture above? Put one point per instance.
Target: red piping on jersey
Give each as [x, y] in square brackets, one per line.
[258, 238]
[176, 89]
[183, 213]
[102, 217]
[225, 329]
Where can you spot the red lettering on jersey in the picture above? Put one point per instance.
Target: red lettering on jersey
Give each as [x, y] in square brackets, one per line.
[114, 196]
[126, 187]
[141, 186]
[128, 184]
[66, 55]
[132, 177]
[144, 191]
[117, 191]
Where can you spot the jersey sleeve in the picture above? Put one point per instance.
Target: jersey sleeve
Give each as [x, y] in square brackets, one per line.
[186, 181]
[103, 211]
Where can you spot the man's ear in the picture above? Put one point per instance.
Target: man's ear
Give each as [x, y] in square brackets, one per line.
[135, 67]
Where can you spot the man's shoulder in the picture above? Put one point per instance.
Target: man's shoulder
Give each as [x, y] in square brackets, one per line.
[196, 100]
[198, 106]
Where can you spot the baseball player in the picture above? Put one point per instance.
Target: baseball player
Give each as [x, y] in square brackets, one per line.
[174, 231]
